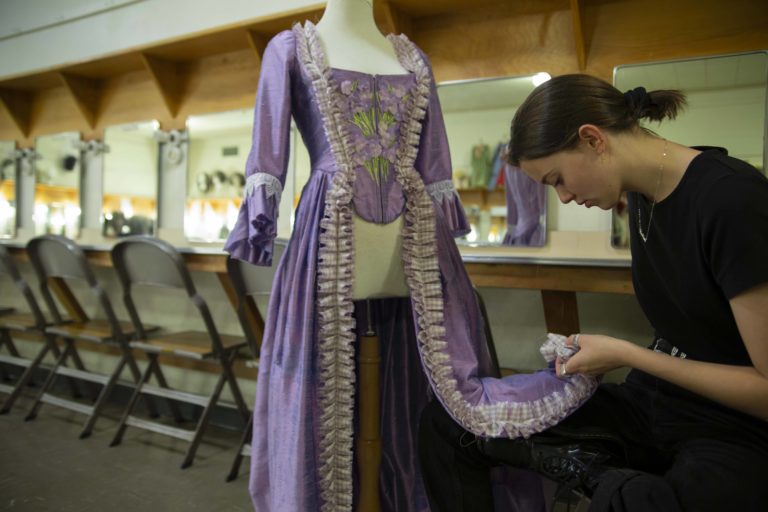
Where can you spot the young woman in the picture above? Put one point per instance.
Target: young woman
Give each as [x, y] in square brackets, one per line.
[691, 416]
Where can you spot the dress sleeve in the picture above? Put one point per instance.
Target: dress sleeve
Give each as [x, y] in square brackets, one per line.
[252, 238]
[434, 164]
[735, 233]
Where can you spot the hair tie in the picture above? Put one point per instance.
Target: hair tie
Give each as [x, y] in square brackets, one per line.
[637, 99]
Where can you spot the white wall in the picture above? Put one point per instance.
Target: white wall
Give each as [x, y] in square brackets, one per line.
[130, 166]
[732, 118]
[205, 155]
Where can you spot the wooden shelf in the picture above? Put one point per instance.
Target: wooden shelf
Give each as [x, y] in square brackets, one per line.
[217, 70]
[47, 194]
[481, 196]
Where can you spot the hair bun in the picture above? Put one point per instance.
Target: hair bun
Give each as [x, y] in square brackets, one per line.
[638, 101]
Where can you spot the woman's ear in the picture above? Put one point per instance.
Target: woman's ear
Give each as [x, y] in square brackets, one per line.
[592, 136]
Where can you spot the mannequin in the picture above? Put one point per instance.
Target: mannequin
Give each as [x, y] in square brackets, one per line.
[380, 152]
[352, 41]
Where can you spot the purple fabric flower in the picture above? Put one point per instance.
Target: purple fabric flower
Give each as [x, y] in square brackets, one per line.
[347, 87]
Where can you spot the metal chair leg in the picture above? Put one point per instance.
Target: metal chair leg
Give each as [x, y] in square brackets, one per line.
[136, 374]
[102, 398]
[24, 379]
[226, 368]
[172, 405]
[92, 387]
[202, 423]
[132, 402]
[32, 414]
[247, 434]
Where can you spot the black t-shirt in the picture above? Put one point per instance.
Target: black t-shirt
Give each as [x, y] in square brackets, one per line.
[707, 243]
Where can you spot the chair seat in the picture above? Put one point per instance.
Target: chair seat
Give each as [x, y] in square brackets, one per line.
[17, 321]
[193, 344]
[92, 330]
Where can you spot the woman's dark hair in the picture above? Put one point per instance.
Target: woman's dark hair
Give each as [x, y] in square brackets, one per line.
[549, 119]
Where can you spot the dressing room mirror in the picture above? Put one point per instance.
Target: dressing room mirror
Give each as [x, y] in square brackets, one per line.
[218, 149]
[726, 107]
[57, 184]
[129, 199]
[503, 205]
[7, 189]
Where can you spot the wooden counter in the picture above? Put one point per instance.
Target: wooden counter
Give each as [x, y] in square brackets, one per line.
[558, 283]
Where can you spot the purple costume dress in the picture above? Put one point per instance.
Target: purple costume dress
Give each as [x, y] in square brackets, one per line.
[377, 145]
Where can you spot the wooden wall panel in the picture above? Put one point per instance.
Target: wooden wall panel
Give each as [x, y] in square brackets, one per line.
[129, 98]
[220, 83]
[490, 38]
[53, 111]
[518, 39]
[499, 41]
[624, 32]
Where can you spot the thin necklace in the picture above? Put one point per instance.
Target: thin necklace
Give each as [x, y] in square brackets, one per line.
[644, 236]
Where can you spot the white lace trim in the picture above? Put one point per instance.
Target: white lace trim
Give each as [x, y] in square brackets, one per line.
[441, 190]
[259, 178]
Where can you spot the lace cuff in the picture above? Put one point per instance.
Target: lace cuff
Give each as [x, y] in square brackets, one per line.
[445, 196]
[252, 238]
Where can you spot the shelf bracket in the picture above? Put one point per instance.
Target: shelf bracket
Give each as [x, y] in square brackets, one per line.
[18, 105]
[86, 93]
[578, 33]
[258, 44]
[389, 19]
[167, 76]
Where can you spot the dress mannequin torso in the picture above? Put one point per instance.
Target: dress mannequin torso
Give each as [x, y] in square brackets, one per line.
[352, 41]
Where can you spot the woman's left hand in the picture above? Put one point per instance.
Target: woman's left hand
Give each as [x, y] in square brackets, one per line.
[597, 355]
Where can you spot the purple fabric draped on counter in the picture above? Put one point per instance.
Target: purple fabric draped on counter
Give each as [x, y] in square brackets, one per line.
[526, 208]
[378, 147]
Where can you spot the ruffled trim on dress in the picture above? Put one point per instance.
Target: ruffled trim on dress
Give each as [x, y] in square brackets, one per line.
[512, 419]
[253, 237]
[336, 390]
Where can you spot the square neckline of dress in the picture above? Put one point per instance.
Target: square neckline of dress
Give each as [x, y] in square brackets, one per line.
[326, 64]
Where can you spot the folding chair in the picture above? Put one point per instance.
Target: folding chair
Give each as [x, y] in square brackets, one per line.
[11, 321]
[249, 281]
[56, 258]
[141, 260]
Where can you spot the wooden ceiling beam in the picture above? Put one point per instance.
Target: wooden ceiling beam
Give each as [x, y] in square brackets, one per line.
[168, 76]
[86, 93]
[18, 106]
[578, 33]
[389, 19]
[258, 43]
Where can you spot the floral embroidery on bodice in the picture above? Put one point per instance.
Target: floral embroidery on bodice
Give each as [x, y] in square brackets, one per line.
[373, 108]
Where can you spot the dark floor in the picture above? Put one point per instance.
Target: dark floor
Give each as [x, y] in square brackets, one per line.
[45, 466]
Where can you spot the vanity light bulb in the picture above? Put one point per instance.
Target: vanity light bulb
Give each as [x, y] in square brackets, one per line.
[540, 78]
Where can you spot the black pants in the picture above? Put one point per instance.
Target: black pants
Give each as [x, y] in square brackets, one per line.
[685, 454]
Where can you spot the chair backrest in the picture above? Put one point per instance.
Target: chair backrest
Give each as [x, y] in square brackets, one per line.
[58, 256]
[249, 280]
[55, 256]
[150, 261]
[8, 267]
[145, 260]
